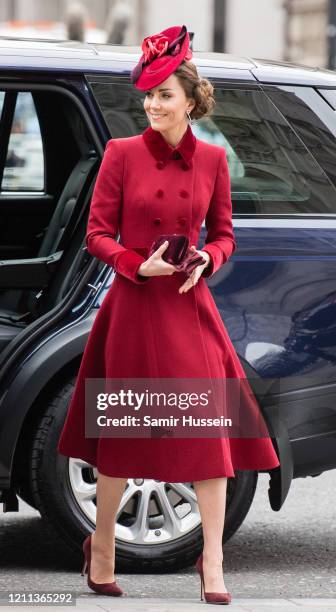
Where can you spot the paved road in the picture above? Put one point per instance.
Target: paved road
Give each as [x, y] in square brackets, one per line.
[278, 555]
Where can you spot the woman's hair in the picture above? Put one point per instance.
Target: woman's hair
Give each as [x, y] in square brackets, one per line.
[196, 87]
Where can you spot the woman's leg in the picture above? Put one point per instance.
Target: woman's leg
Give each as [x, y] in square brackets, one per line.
[211, 499]
[109, 494]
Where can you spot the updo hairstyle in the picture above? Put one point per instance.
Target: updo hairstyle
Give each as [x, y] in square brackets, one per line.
[196, 87]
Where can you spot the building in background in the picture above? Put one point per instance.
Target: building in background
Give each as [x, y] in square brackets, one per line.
[255, 29]
[306, 31]
[142, 16]
[302, 31]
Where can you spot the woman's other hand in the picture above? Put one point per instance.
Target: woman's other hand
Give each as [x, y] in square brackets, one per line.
[155, 265]
[196, 273]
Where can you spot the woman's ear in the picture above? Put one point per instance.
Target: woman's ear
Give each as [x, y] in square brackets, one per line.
[191, 105]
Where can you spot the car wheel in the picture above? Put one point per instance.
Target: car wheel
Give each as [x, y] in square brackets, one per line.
[158, 526]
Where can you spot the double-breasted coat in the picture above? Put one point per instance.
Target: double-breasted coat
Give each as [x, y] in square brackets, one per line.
[145, 327]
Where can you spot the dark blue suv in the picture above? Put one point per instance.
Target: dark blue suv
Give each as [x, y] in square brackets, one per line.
[60, 102]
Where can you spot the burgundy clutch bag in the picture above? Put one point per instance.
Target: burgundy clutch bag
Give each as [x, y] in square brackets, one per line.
[178, 253]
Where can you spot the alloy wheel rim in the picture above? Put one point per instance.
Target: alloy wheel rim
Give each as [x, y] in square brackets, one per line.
[150, 512]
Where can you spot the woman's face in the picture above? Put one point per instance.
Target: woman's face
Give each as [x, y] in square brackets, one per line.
[166, 105]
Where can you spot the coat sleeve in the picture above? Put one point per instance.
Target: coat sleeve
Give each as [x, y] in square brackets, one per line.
[220, 241]
[104, 215]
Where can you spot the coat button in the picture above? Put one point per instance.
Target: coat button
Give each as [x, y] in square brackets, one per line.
[185, 165]
[176, 155]
[184, 193]
[182, 221]
[160, 165]
[157, 221]
[159, 193]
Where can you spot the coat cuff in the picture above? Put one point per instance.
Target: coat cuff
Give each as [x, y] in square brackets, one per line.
[128, 262]
[217, 257]
[215, 260]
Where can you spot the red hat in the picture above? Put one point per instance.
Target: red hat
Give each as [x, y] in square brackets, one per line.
[161, 54]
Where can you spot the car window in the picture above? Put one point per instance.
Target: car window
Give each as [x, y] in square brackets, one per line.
[24, 166]
[313, 118]
[208, 130]
[272, 171]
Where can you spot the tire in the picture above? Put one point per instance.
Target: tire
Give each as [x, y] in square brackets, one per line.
[25, 494]
[55, 495]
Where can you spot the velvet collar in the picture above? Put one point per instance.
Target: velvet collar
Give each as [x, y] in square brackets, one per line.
[163, 151]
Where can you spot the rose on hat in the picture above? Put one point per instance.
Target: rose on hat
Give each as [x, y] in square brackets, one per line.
[162, 53]
[154, 46]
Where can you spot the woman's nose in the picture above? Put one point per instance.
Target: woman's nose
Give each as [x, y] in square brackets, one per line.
[155, 104]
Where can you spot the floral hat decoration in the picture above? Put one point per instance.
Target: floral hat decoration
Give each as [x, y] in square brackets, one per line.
[161, 54]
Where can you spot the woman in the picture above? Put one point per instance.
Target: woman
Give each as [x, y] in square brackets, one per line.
[154, 322]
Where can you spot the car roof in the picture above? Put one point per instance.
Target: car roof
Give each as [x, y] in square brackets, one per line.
[64, 55]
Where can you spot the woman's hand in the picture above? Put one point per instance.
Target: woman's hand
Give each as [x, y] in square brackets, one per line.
[155, 265]
[196, 273]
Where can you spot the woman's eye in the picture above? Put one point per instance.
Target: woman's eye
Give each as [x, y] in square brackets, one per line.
[148, 93]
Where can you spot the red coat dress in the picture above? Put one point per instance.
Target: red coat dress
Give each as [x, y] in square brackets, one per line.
[144, 327]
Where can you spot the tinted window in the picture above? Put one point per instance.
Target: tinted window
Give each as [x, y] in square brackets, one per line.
[313, 120]
[272, 171]
[24, 167]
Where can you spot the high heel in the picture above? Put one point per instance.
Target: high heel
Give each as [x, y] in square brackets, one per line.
[213, 598]
[105, 588]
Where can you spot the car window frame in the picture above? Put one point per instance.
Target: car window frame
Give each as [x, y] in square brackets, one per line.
[4, 158]
[87, 117]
